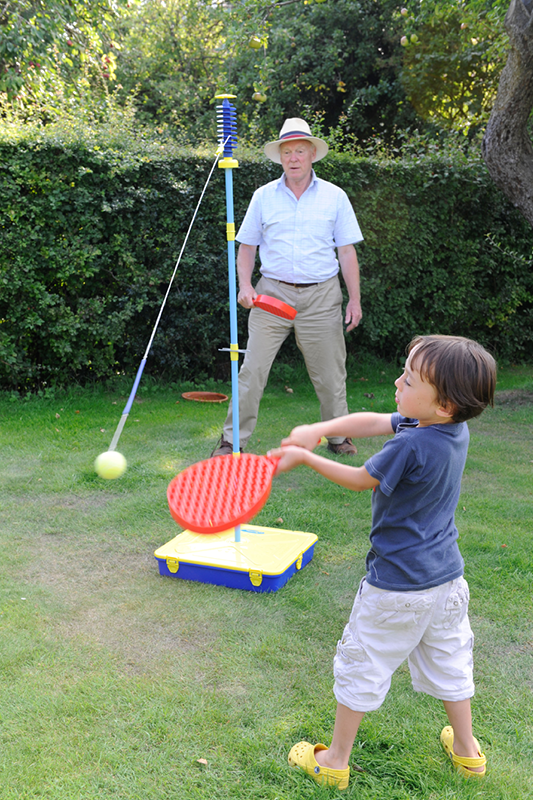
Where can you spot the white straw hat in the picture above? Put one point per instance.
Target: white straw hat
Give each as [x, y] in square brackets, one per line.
[295, 128]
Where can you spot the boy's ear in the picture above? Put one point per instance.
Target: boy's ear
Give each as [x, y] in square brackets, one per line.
[446, 411]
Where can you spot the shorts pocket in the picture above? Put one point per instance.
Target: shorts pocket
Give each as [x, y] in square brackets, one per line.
[350, 649]
[401, 610]
[456, 606]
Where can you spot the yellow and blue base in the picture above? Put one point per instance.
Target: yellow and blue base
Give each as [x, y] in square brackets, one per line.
[262, 561]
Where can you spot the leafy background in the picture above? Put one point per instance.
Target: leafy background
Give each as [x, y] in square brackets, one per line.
[92, 222]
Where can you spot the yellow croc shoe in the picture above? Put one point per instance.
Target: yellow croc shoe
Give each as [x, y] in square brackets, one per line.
[462, 764]
[303, 755]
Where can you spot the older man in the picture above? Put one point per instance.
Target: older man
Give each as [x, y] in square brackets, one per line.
[298, 222]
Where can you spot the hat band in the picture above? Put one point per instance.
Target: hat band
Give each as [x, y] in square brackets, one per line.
[296, 135]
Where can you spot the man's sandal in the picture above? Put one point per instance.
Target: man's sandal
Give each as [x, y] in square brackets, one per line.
[303, 755]
[463, 765]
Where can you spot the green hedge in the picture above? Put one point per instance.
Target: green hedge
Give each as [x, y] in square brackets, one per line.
[90, 234]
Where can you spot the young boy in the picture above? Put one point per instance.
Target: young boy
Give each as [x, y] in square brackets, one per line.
[413, 602]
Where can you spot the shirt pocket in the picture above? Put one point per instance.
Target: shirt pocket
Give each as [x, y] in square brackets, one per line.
[319, 224]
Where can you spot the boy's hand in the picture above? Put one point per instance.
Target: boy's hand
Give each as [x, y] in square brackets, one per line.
[289, 458]
[303, 436]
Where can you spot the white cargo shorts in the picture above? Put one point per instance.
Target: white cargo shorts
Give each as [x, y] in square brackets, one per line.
[429, 628]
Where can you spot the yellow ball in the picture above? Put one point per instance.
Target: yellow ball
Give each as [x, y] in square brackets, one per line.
[110, 465]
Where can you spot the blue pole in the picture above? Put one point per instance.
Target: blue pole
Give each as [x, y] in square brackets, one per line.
[233, 312]
[227, 131]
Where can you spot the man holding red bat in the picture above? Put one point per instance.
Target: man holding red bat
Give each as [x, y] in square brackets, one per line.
[305, 229]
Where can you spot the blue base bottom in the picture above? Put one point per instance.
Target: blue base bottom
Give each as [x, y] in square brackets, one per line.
[233, 579]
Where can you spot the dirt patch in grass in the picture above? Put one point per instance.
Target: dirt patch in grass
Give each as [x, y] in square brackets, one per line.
[116, 600]
[514, 398]
[71, 502]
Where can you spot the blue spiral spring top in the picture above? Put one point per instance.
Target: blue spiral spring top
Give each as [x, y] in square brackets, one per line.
[227, 127]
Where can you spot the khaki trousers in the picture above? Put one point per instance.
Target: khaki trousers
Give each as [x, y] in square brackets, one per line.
[318, 329]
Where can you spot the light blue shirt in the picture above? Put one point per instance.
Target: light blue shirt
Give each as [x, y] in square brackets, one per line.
[297, 238]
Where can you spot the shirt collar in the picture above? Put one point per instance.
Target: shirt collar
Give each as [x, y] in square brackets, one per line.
[282, 181]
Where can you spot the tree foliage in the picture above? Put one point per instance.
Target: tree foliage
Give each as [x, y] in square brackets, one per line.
[338, 62]
[171, 59]
[56, 54]
[454, 54]
[176, 55]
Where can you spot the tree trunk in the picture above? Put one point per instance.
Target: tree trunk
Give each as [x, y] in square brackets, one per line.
[507, 147]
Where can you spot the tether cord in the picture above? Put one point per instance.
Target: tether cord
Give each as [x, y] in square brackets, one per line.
[133, 392]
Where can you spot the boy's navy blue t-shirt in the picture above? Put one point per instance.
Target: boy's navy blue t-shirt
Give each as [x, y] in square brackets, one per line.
[414, 537]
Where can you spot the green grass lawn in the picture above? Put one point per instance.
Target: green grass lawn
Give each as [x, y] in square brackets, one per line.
[118, 683]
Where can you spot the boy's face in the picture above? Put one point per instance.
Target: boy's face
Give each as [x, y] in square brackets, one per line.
[417, 398]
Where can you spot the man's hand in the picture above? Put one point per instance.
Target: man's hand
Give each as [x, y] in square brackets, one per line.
[350, 273]
[246, 296]
[353, 315]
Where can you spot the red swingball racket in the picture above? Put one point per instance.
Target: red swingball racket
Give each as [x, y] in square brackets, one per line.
[275, 306]
[222, 492]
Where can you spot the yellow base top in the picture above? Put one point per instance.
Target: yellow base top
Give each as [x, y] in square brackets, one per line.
[270, 550]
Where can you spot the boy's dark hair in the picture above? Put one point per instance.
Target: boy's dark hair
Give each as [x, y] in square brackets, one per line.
[461, 370]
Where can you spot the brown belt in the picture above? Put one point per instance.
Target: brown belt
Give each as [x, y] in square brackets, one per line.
[299, 285]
